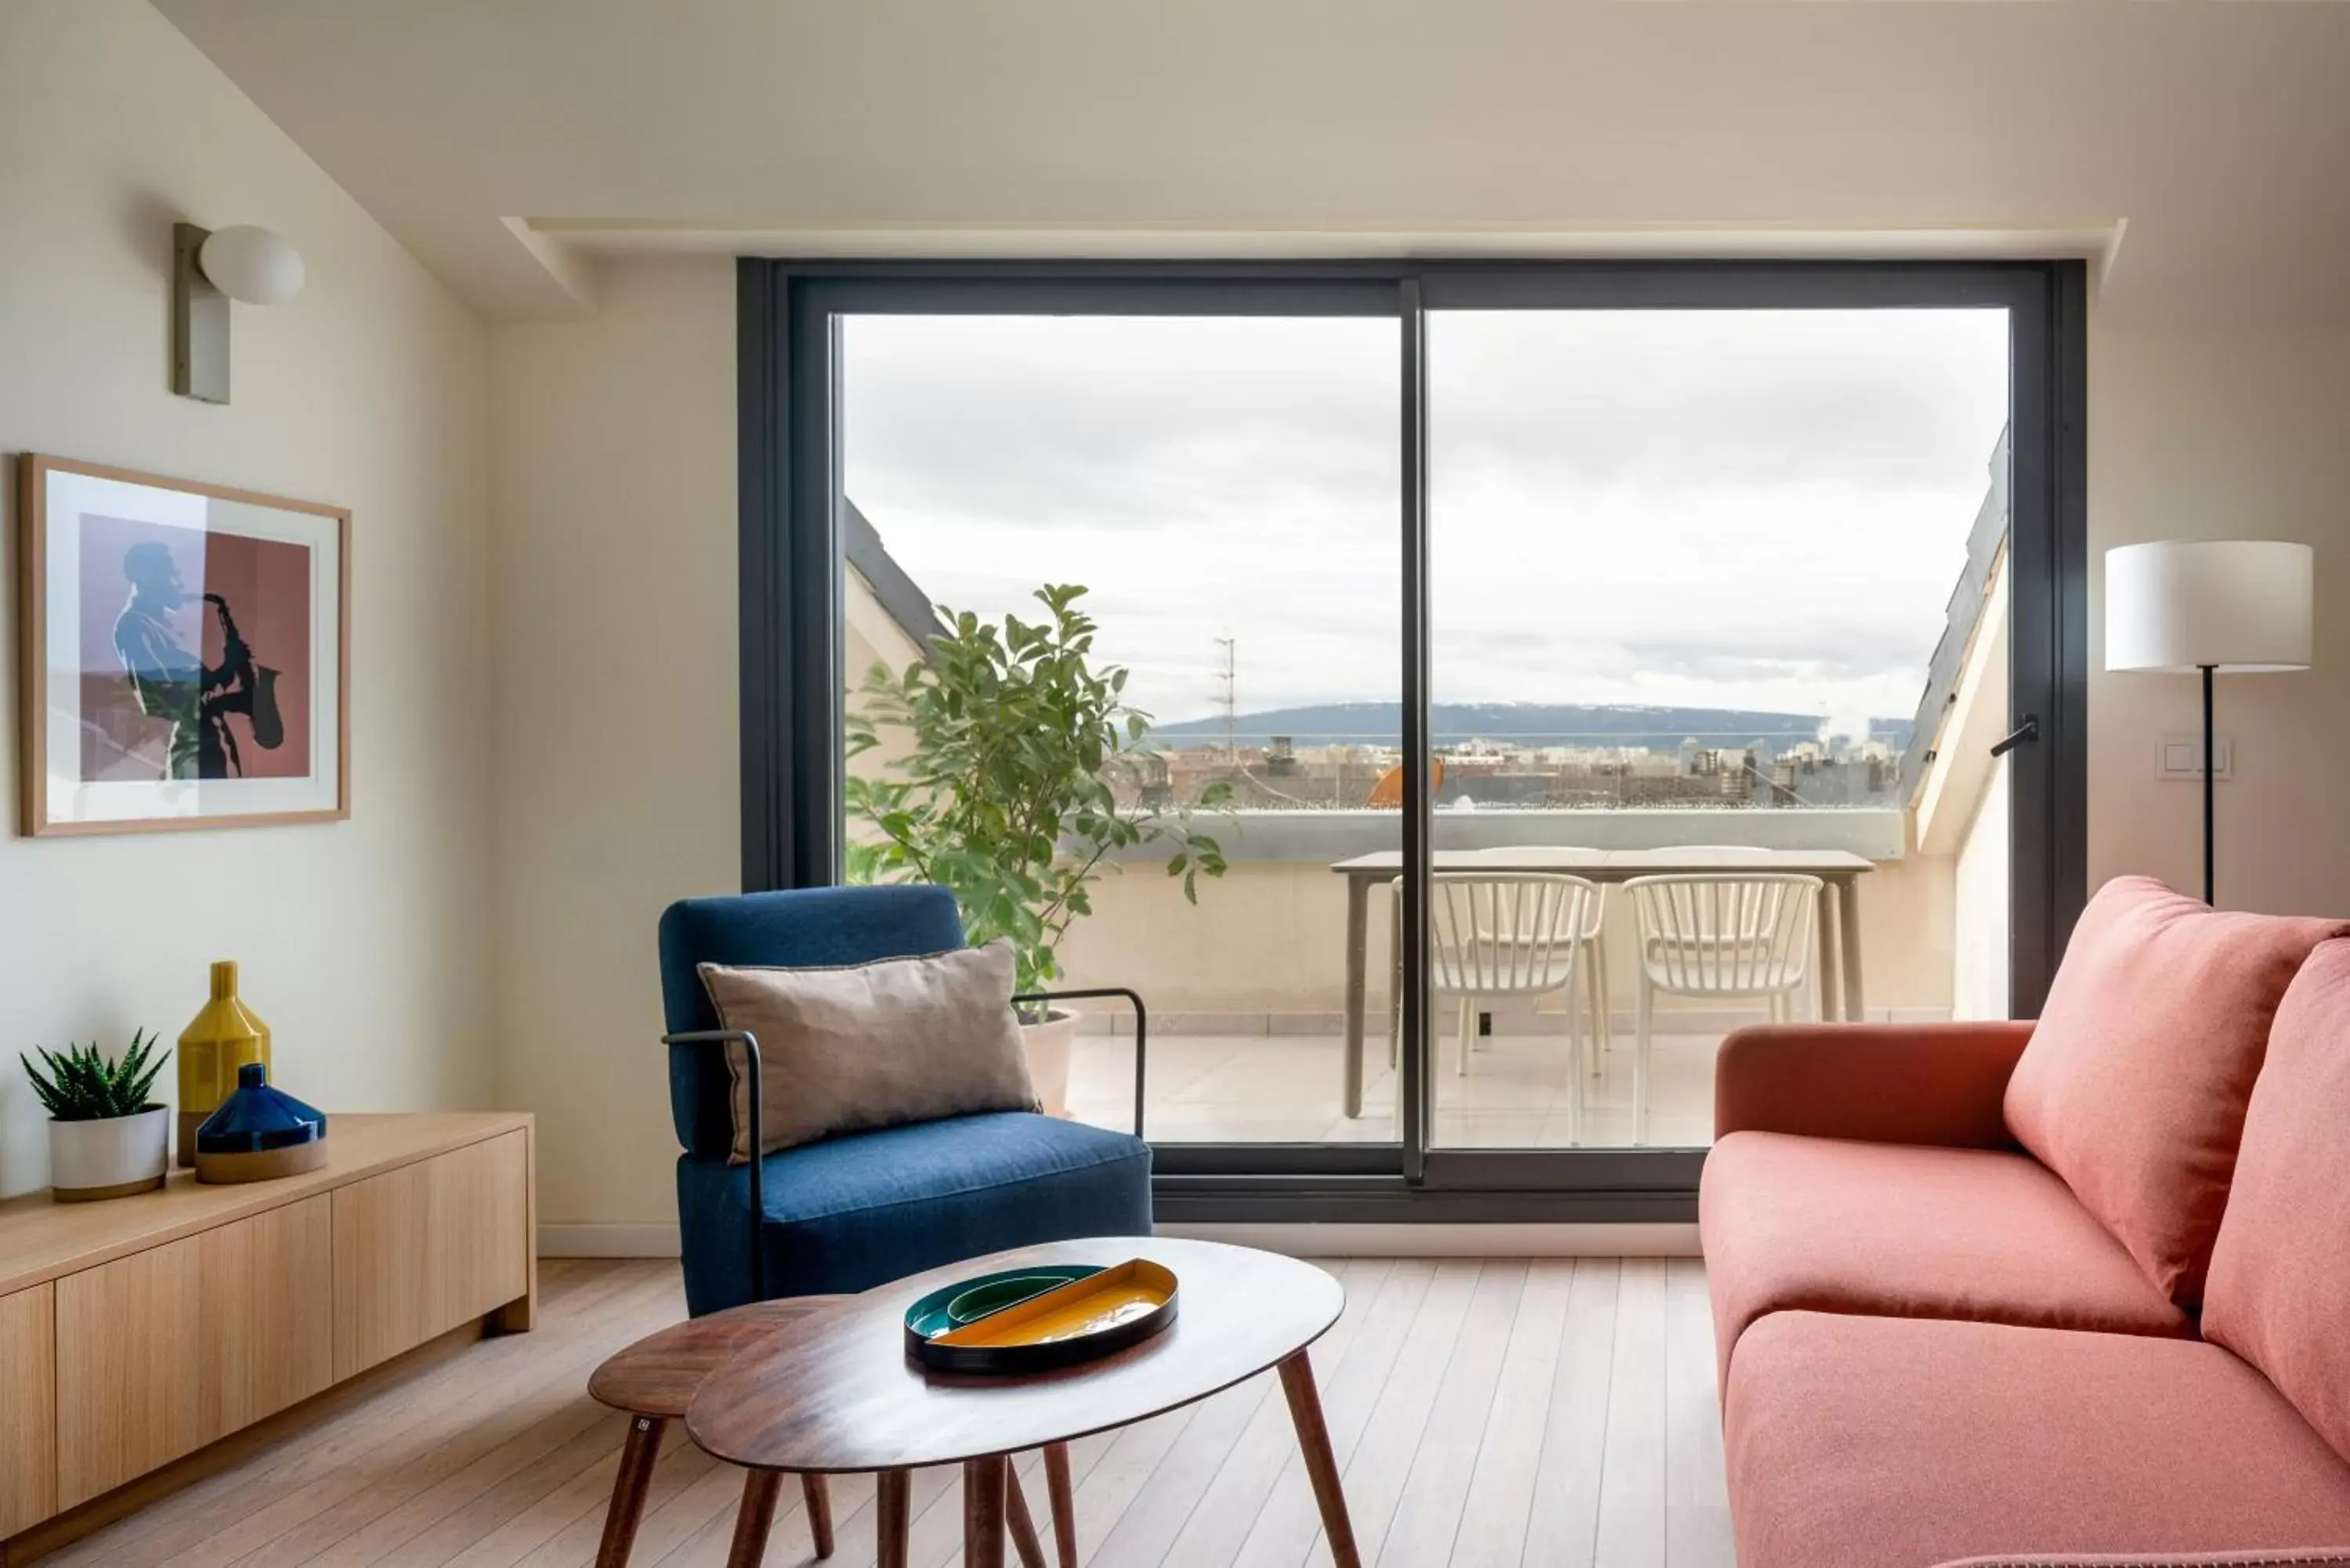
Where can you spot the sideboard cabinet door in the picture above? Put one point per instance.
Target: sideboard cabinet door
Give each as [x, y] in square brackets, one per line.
[28, 1407]
[423, 1248]
[166, 1350]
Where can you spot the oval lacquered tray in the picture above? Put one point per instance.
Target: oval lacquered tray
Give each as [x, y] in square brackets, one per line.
[1036, 1319]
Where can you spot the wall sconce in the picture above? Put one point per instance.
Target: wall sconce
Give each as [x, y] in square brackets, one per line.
[209, 268]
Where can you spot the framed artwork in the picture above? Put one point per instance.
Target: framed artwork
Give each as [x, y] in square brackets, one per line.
[185, 655]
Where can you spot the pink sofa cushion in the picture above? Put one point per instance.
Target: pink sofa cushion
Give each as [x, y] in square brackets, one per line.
[2134, 1087]
[1823, 1224]
[1903, 1443]
[2279, 1290]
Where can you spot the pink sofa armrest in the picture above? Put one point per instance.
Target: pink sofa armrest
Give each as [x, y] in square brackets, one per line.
[1879, 1083]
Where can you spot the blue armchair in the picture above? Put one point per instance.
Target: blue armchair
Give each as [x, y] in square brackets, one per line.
[858, 1211]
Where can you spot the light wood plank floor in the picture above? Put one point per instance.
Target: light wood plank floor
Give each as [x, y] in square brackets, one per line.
[1487, 1414]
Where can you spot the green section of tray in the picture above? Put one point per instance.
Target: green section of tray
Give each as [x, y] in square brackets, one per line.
[983, 1300]
[930, 1317]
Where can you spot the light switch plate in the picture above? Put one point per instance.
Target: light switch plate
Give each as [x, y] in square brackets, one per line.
[2181, 757]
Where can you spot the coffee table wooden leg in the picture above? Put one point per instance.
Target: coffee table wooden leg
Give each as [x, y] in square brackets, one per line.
[892, 1499]
[818, 1498]
[1321, 1466]
[1065, 1502]
[982, 1513]
[754, 1518]
[1023, 1524]
[638, 1456]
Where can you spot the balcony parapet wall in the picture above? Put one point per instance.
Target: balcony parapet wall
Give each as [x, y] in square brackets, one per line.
[1326, 837]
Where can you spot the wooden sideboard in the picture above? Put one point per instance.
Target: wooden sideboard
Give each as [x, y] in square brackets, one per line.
[137, 1331]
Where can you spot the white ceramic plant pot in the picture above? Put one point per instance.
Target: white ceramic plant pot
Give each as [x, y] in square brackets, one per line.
[111, 1157]
[1048, 1046]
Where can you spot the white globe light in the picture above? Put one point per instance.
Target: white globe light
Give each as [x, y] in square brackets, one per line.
[252, 266]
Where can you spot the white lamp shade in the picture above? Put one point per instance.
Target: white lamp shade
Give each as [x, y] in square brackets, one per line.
[252, 266]
[2241, 605]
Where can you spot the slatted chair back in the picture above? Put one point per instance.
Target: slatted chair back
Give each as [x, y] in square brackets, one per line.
[1507, 933]
[1726, 935]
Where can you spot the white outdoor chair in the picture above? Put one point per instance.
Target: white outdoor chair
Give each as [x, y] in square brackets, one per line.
[1723, 935]
[1591, 988]
[1494, 935]
[1536, 953]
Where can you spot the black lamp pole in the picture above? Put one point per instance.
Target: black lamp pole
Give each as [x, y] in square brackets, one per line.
[2209, 896]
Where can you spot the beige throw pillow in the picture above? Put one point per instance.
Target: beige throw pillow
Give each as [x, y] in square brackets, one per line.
[872, 1045]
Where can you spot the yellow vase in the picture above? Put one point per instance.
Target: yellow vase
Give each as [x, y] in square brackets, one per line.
[223, 1037]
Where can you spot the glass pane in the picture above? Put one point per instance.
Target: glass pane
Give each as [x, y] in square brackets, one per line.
[1224, 491]
[1716, 594]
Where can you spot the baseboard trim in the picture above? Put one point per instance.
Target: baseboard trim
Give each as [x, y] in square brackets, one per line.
[1449, 1241]
[1308, 1241]
[659, 1239]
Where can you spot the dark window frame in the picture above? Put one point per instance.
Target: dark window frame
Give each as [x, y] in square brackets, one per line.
[791, 607]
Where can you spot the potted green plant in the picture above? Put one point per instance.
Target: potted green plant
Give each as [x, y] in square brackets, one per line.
[107, 1138]
[1008, 792]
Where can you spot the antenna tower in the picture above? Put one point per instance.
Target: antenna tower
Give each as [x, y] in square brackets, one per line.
[1227, 695]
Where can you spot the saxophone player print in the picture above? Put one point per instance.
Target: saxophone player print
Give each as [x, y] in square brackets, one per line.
[190, 650]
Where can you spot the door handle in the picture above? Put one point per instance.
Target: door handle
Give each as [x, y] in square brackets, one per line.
[2027, 730]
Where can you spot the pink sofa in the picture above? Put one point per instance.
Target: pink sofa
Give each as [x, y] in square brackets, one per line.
[2009, 1293]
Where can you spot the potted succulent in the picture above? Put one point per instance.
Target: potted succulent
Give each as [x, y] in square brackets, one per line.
[107, 1138]
[1007, 793]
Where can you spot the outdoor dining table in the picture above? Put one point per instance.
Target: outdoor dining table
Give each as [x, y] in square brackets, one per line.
[1839, 871]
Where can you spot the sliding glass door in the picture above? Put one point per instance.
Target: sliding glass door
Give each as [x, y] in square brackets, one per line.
[1688, 572]
[1215, 496]
[1453, 697]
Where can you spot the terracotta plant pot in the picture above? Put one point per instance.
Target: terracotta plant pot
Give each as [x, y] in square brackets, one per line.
[111, 1158]
[1048, 1046]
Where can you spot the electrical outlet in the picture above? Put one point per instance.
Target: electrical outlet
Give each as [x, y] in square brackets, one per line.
[2181, 757]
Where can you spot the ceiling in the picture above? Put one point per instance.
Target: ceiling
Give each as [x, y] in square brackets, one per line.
[509, 144]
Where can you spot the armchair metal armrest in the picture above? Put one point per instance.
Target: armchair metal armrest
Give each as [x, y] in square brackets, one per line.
[1141, 1027]
[750, 1043]
[1882, 1083]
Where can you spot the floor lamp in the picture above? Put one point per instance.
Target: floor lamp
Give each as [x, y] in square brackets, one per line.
[2208, 606]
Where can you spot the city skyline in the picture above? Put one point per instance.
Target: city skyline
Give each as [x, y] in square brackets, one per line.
[1536, 722]
[1787, 770]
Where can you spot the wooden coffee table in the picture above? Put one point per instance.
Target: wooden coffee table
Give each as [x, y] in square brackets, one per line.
[834, 1390]
[654, 1380]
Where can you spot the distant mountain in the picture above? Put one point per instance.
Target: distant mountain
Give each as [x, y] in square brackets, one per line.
[1523, 723]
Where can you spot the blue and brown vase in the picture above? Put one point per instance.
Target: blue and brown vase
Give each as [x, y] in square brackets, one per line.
[259, 1133]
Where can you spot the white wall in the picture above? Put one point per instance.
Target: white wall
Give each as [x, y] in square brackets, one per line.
[2202, 432]
[366, 943]
[613, 487]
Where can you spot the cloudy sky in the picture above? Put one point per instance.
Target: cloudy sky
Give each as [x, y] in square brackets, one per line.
[1756, 510]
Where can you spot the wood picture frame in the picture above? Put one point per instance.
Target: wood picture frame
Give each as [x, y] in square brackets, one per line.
[139, 730]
